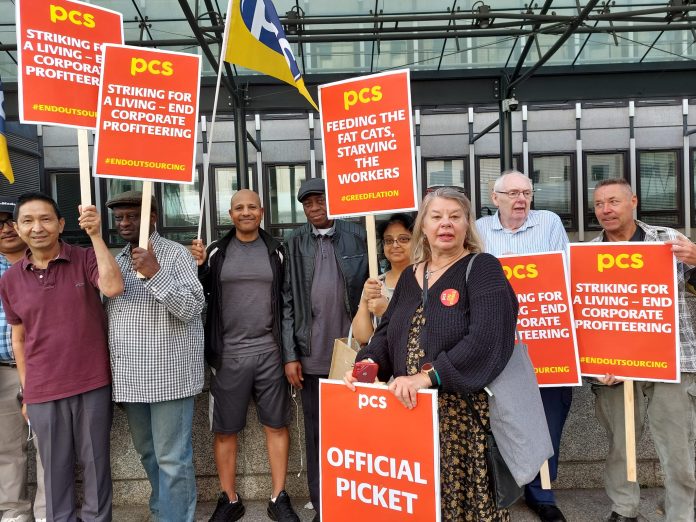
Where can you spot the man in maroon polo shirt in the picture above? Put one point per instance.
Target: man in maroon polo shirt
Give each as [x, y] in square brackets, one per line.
[51, 299]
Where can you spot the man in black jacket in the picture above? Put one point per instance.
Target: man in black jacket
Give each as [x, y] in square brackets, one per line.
[243, 279]
[324, 277]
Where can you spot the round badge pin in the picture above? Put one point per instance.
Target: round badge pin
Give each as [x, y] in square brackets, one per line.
[449, 297]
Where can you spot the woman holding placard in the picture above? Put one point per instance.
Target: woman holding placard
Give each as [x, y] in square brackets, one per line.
[395, 235]
[450, 325]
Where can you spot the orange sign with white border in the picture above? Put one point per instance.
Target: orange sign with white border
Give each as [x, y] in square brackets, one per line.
[625, 302]
[367, 141]
[59, 51]
[147, 125]
[545, 316]
[378, 459]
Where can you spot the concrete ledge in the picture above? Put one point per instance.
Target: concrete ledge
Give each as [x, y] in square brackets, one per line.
[583, 450]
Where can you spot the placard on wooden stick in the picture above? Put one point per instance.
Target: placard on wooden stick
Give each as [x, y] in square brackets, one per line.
[367, 141]
[59, 64]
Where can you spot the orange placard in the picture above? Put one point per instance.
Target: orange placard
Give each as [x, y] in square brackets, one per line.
[625, 304]
[147, 123]
[368, 144]
[378, 460]
[59, 44]
[545, 317]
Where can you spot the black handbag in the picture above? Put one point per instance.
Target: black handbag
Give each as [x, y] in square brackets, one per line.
[504, 489]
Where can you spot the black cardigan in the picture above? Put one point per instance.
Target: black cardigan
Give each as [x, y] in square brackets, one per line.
[468, 350]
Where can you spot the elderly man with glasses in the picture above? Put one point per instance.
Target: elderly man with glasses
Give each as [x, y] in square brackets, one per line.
[516, 229]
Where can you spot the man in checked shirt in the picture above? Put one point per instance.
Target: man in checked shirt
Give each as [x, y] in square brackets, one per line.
[156, 348]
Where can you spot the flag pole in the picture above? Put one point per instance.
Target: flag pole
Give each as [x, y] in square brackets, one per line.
[206, 156]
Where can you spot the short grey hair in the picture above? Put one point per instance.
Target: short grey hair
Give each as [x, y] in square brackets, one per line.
[498, 186]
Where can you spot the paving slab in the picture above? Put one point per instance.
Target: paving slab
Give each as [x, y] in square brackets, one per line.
[578, 505]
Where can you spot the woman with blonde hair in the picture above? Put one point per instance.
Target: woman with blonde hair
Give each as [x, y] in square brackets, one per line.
[456, 334]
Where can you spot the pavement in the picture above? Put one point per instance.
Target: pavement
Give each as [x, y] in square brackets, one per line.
[578, 505]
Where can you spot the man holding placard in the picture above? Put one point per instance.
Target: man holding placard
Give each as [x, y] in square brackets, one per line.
[156, 347]
[51, 299]
[326, 271]
[515, 229]
[670, 406]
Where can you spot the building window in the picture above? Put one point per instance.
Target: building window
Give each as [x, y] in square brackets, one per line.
[445, 172]
[553, 177]
[659, 188]
[180, 207]
[693, 187]
[488, 172]
[225, 183]
[600, 166]
[65, 187]
[283, 211]
[111, 187]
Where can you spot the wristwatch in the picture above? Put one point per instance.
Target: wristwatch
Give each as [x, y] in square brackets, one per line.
[429, 370]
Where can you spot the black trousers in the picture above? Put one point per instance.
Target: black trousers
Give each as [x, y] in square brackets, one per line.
[310, 408]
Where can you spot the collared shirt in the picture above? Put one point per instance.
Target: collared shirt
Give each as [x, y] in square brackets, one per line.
[155, 328]
[6, 354]
[60, 308]
[542, 231]
[687, 301]
[329, 318]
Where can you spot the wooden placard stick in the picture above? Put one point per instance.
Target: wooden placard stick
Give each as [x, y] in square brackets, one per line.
[629, 412]
[145, 210]
[85, 178]
[545, 475]
[371, 245]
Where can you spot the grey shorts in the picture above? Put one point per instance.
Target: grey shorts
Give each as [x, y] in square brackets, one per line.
[240, 379]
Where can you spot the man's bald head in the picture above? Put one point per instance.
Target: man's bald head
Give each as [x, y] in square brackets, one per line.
[245, 194]
[246, 213]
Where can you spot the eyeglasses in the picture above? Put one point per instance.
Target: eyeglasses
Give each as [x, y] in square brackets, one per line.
[514, 194]
[402, 240]
[8, 221]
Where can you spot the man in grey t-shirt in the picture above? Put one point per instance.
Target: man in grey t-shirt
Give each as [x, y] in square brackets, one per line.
[243, 279]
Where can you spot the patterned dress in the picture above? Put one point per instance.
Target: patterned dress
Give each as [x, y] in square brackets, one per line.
[464, 486]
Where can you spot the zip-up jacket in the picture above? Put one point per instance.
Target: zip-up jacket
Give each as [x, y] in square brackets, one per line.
[209, 275]
[350, 247]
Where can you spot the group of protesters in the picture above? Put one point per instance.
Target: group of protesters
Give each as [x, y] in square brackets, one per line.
[273, 312]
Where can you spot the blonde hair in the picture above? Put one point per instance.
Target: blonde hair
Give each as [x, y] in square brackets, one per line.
[421, 248]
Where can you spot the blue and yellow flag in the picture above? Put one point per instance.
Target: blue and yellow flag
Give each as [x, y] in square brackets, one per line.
[257, 41]
[5, 166]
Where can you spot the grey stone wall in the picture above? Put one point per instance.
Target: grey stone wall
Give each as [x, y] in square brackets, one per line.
[583, 450]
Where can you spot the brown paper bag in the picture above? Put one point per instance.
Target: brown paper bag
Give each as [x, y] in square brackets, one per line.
[344, 351]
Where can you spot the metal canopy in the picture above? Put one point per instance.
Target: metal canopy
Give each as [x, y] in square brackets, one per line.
[353, 37]
[460, 52]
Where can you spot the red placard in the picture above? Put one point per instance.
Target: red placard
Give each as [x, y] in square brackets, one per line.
[59, 44]
[368, 145]
[545, 317]
[378, 459]
[625, 305]
[147, 123]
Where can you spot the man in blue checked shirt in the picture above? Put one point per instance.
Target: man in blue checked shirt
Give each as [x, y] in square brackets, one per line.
[14, 503]
[156, 351]
[516, 229]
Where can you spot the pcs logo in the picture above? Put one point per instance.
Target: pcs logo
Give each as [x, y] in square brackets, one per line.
[262, 21]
